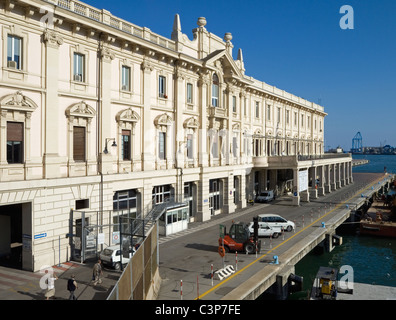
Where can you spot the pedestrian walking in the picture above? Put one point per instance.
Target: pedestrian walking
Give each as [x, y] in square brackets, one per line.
[97, 273]
[72, 286]
[51, 286]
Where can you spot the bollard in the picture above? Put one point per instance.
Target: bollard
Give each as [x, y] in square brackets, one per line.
[211, 273]
[197, 289]
[181, 289]
[236, 260]
[303, 221]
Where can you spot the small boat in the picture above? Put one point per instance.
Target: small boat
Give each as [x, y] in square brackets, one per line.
[378, 228]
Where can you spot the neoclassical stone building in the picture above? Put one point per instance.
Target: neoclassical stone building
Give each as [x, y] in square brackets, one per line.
[100, 114]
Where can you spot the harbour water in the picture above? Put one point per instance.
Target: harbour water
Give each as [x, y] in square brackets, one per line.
[373, 259]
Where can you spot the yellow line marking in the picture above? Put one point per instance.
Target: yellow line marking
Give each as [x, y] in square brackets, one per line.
[282, 243]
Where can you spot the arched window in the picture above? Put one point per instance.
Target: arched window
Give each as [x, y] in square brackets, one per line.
[215, 91]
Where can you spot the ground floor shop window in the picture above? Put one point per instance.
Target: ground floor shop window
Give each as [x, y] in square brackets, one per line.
[161, 193]
[214, 195]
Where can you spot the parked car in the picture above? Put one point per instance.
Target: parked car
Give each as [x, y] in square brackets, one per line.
[265, 196]
[111, 257]
[265, 230]
[275, 220]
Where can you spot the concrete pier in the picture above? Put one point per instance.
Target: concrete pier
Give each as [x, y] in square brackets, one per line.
[189, 256]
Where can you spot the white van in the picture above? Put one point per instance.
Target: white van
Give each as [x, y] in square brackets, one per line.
[275, 220]
[265, 230]
[111, 257]
[265, 196]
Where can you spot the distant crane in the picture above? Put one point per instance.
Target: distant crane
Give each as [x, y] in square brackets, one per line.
[357, 146]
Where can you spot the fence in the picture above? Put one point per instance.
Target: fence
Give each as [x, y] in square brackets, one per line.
[140, 277]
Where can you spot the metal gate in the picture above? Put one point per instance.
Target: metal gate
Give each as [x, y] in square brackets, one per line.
[92, 231]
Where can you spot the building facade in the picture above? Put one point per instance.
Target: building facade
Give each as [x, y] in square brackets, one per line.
[100, 114]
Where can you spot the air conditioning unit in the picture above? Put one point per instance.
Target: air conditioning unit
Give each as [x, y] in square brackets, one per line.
[12, 64]
[77, 77]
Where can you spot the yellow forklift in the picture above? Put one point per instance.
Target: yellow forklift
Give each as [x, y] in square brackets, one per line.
[325, 284]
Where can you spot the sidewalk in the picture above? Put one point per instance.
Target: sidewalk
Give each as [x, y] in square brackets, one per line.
[25, 285]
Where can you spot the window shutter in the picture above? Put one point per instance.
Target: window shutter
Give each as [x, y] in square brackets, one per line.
[14, 131]
[79, 143]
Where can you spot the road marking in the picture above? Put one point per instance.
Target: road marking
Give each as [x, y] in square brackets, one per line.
[282, 243]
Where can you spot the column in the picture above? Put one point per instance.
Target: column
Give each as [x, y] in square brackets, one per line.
[179, 130]
[203, 212]
[327, 176]
[321, 187]
[51, 159]
[106, 160]
[204, 84]
[296, 194]
[148, 129]
[333, 183]
[229, 206]
[338, 175]
[314, 188]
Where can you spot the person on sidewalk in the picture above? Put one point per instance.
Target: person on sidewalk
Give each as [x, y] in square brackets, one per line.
[97, 273]
[72, 286]
[51, 286]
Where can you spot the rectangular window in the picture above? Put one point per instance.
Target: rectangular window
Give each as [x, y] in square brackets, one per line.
[279, 115]
[257, 109]
[302, 120]
[162, 87]
[126, 78]
[287, 117]
[189, 93]
[162, 145]
[126, 199]
[244, 107]
[215, 146]
[190, 154]
[235, 147]
[234, 104]
[78, 67]
[295, 118]
[79, 143]
[14, 52]
[126, 145]
[14, 142]
[215, 95]
[269, 113]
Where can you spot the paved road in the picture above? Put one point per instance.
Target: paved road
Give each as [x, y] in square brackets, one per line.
[188, 255]
[25, 285]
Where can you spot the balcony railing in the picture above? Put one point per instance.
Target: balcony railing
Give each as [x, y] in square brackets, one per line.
[107, 18]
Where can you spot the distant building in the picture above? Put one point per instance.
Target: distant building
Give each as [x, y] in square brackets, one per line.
[100, 115]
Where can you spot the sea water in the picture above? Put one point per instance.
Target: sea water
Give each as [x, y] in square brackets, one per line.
[373, 259]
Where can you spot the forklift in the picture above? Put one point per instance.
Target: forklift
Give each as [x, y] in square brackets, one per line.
[239, 239]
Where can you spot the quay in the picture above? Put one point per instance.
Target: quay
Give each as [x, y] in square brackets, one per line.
[188, 257]
[359, 162]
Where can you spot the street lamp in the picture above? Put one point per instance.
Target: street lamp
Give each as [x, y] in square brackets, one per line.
[105, 151]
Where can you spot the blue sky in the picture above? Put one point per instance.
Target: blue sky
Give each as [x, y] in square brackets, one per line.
[298, 46]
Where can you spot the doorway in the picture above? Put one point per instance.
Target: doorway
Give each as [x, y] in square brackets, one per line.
[15, 236]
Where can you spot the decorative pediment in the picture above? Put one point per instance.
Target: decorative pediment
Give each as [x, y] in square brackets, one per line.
[128, 115]
[236, 127]
[17, 102]
[81, 109]
[221, 59]
[163, 120]
[191, 123]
